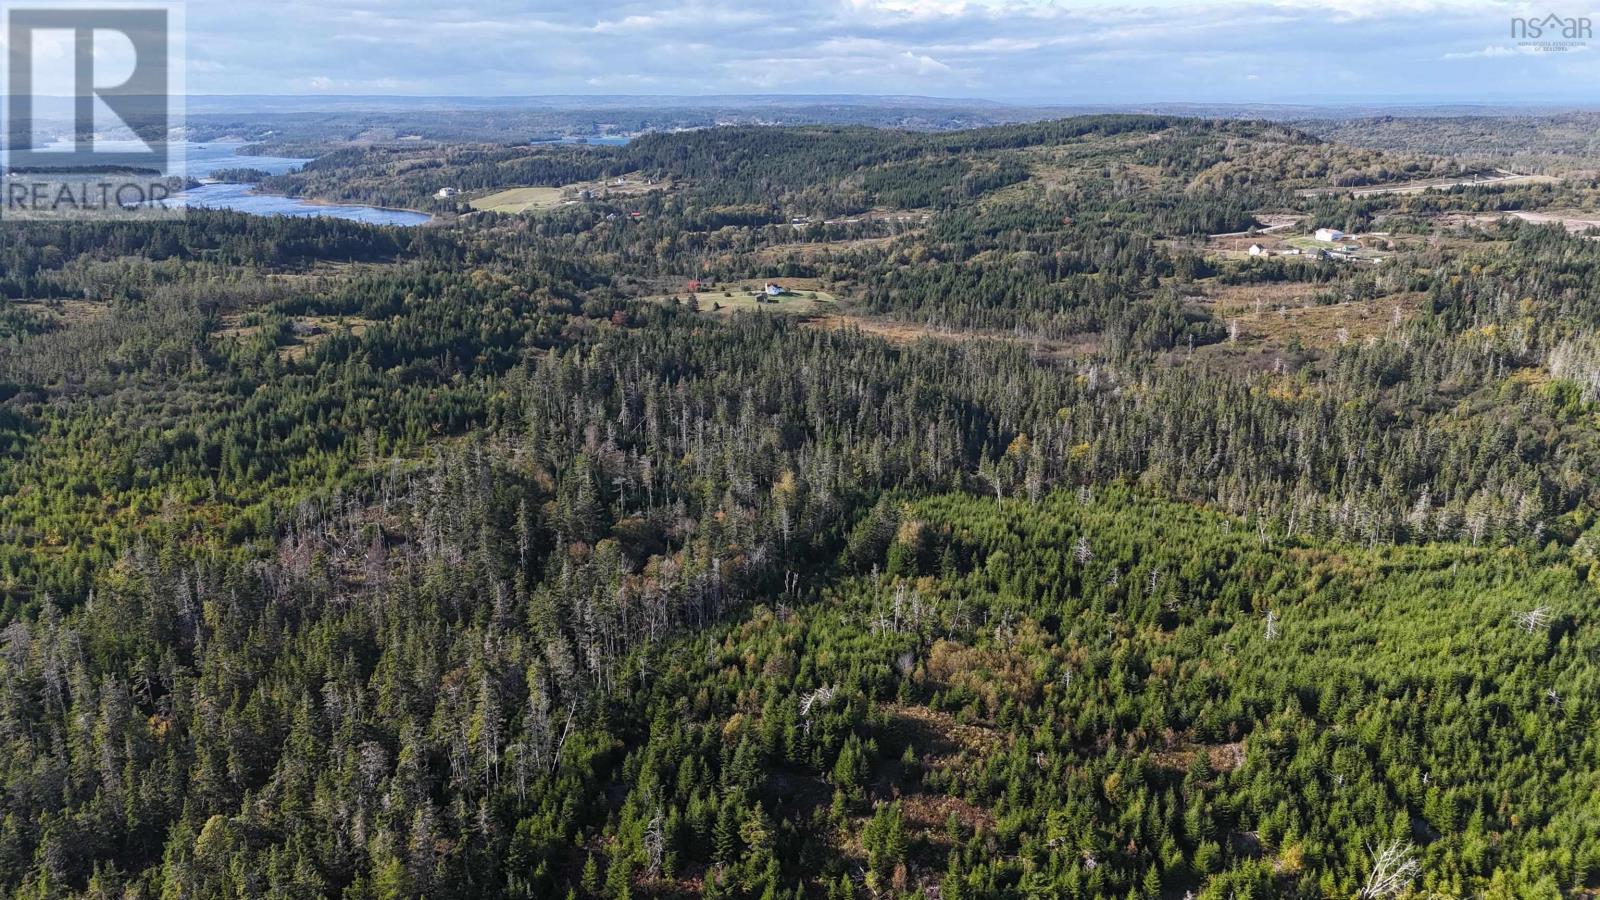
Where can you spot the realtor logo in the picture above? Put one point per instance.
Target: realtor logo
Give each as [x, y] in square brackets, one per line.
[1552, 33]
[91, 96]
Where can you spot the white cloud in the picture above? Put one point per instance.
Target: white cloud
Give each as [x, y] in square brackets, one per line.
[1496, 51]
[1255, 50]
[1489, 52]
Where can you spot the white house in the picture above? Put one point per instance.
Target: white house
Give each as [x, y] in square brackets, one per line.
[774, 290]
[1329, 235]
[1257, 250]
[445, 193]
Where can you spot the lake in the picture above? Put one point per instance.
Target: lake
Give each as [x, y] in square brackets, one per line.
[203, 160]
[243, 198]
[597, 140]
[200, 160]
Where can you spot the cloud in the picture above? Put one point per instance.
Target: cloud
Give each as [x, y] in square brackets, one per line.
[1528, 48]
[1489, 52]
[1027, 50]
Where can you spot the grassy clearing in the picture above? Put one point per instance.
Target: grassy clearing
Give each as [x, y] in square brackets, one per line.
[1279, 316]
[801, 298]
[896, 331]
[309, 331]
[303, 334]
[796, 303]
[1308, 242]
[1446, 184]
[1437, 184]
[813, 249]
[520, 200]
[66, 313]
[1573, 222]
[539, 199]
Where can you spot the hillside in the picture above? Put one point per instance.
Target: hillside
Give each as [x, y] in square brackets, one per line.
[1034, 537]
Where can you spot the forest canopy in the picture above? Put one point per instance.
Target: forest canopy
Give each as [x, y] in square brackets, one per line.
[834, 513]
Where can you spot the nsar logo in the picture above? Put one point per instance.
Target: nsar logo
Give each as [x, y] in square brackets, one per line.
[1553, 32]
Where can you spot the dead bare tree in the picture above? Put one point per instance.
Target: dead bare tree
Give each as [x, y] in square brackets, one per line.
[1393, 868]
[1272, 625]
[1533, 620]
[555, 758]
[820, 697]
[519, 768]
[655, 843]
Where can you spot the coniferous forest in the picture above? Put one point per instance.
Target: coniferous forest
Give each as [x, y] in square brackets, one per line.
[1034, 540]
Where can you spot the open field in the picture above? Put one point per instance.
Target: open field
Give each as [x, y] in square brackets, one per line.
[520, 200]
[897, 331]
[65, 312]
[801, 298]
[902, 216]
[805, 303]
[1278, 315]
[821, 309]
[1309, 242]
[813, 249]
[1417, 187]
[305, 332]
[1237, 246]
[1574, 222]
[1271, 223]
[538, 199]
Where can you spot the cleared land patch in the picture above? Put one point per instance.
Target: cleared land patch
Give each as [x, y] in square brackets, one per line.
[808, 250]
[302, 335]
[66, 313]
[520, 200]
[898, 331]
[537, 199]
[1416, 187]
[1573, 222]
[1280, 315]
[798, 298]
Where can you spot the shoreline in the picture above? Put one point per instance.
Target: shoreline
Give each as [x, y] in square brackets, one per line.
[320, 201]
[254, 190]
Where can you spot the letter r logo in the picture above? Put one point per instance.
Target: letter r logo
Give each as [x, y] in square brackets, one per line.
[73, 66]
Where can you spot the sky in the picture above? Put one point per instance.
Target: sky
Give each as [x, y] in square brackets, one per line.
[1025, 51]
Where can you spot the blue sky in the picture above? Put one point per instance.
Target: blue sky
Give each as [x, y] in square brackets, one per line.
[1043, 51]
